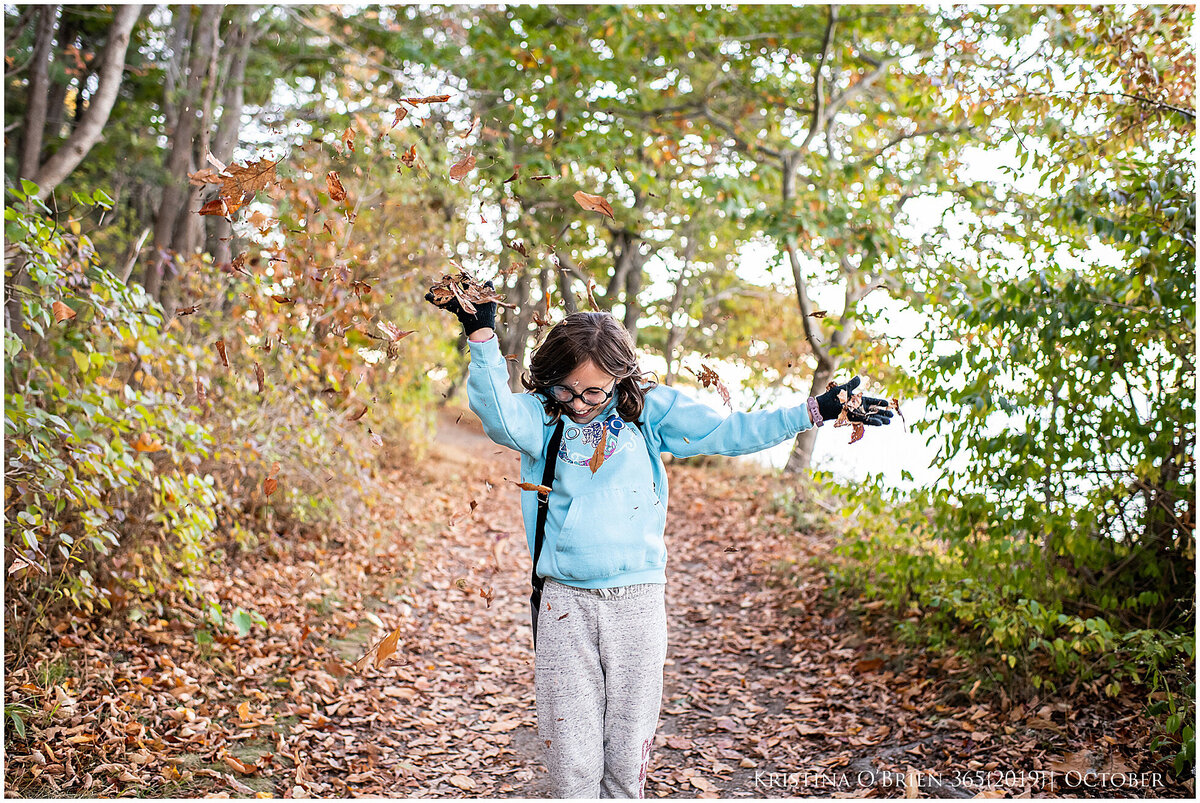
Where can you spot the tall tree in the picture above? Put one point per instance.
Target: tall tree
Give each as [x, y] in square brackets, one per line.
[49, 173]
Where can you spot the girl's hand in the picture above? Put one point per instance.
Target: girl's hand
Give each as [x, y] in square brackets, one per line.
[484, 316]
[873, 412]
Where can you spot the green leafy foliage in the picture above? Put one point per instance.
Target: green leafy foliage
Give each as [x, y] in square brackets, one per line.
[1059, 363]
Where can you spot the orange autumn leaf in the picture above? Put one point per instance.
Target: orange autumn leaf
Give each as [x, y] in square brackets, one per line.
[529, 486]
[411, 159]
[387, 648]
[145, 443]
[243, 711]
[597, 459]
[221, 351]
[462, 167]
[336, 191]
[238, 765]
[241, 182]
[62, 312]
[348, 138]
[594, 203]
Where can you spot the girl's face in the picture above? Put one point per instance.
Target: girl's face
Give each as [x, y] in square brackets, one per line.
[587, 375]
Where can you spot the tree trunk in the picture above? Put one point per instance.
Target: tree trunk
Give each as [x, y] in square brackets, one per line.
[176, 188]
[633, 287]
[226, 139]
[38, 93]
[56, 104]
[800, 458]
[91, 127]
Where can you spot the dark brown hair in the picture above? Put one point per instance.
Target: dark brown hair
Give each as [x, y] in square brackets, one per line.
[583, 336]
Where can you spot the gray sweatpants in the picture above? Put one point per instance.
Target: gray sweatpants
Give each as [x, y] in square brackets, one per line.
[598, 678]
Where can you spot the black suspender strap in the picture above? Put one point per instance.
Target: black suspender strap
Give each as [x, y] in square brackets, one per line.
[543, 507]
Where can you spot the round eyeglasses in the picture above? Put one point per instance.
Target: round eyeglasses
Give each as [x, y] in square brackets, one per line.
[590, 396]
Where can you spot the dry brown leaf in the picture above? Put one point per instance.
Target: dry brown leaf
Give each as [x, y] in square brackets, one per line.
[466, 290]
[221, 351]
[597, 459]
[529, 486]
[206, 175]
[393, 332]
[62, 312]
[386, 648]
[857, 432]
[260, 376]
[818, 314]
[462, 167]
[426, 99]
[241, 182]
[348, 138]
[594, 203]
[334, 183]
[269, 485]
[412, 159]
[708, 378]
[237, 764]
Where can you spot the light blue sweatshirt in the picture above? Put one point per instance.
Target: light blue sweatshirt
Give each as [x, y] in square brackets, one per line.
[605, 530]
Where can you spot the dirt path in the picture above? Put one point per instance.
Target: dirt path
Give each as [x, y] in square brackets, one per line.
[768, 693]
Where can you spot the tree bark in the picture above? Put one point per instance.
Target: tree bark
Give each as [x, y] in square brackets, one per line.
[225, 142]
[176, 188]
[68, 29]
[38, 93]
[91, 127]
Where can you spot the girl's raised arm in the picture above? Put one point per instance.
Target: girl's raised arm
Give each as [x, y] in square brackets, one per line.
[509, 419]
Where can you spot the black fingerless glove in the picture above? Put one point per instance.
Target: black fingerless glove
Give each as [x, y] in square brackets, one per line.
[873, 412]
[484, 316]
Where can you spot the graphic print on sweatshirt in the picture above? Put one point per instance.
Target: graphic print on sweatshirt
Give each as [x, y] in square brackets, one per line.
[579, 441]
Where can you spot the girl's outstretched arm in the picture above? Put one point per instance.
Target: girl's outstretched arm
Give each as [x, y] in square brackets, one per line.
[687, 427]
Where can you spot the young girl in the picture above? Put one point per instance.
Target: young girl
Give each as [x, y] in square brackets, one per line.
[600, 627]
